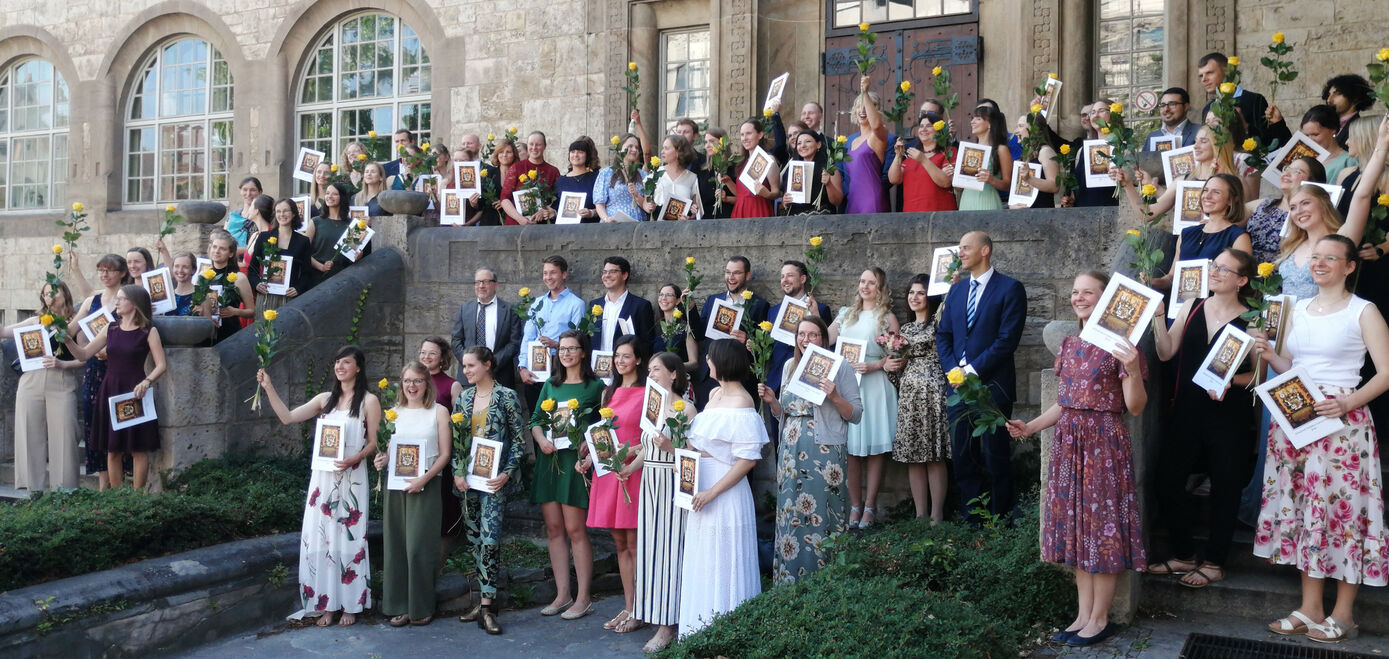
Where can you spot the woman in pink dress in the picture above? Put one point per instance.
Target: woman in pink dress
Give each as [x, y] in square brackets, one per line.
[1091, 521]
[608, 508]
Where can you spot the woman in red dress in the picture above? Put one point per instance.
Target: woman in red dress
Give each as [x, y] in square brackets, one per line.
[753, 203]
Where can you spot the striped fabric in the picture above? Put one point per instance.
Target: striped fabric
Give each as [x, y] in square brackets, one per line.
[660, 539]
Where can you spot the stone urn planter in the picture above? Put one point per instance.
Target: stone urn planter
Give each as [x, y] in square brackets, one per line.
[403, 202]
[184, 330]
[202, 212]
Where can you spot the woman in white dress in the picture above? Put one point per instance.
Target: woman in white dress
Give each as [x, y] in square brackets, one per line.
[720, 563]
[676, 181]
[660, 523]
[1322, 507]
[334, 571]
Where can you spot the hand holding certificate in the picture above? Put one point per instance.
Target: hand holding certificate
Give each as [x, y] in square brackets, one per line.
[1123, 313]
[1291, 399]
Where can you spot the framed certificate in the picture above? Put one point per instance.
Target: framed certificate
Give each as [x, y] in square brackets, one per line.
[775, 90]
[970, 159]
[1289, 399]
[1052, 91]
[941, 259]
[724, 317]
[1094, 156]
[95, 322]
[1276, 318]
[1124, 311]
[356, 252]
[362, 213]
[1164, 143]
[452, 207]
[1191, 280]
[405, 463]
[160, 285]
[570, 205]
[126, 410]
[214, 293]
[852, 350]
[329, 447]
[675, 208]
[1177, 164]
[788, 320]
[484, 463]
[527, 202]
[1227, 353]
[1188, 205]
[816, 365]
[32, 343]
[277, 274]
[602, 362]
[1019, 192]
[1332, 190]
[759, 164]
[653, 407]
[1298, 146]
[204, 264]
[798, 180]
[601, 444]
[539, 359]
[686, 477]
[467, 178]
[302, 203]
[305, 164]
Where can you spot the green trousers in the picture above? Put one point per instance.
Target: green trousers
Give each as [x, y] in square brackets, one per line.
[411, 545]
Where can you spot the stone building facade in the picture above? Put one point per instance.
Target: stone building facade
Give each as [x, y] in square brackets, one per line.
[128, 106]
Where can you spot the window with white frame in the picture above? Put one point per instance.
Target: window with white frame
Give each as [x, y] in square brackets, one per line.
[370, 73]
[33, 136]
[684, 76]
[178, 131]
[849, 13]
[1130, 39]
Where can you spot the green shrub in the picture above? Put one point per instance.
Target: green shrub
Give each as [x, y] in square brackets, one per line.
[61, 534]
[947, 591]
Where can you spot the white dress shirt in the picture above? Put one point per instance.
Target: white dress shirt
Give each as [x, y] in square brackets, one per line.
[611, 310]
[490, 311]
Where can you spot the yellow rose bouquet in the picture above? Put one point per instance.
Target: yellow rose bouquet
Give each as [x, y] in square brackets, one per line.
[979, 409]
[536, 194]
[267, 339]
[1280, 69]
[204, 281]
[940, 83]
[722, 161]
[526, 309]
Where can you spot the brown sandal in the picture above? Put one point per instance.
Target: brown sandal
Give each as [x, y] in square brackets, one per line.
[1165, 567]
[1202, 573]
[400, 620]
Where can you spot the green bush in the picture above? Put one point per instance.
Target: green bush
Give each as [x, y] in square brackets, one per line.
[947, 591]
[61, 534]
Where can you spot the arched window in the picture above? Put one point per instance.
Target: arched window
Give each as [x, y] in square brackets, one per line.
[179, 128]
[33, 136]
[368, 73]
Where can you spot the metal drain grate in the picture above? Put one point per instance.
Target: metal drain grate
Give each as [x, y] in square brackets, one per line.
[1205, 646]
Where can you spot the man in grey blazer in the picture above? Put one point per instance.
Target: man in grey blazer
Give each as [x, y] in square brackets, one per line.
[1173, 111]
[491, 322]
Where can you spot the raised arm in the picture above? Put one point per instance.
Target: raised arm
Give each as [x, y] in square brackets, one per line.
[299, 414]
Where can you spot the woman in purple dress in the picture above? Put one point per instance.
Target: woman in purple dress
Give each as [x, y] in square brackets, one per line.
[1090, 512]
[865, 171]
[127, 345]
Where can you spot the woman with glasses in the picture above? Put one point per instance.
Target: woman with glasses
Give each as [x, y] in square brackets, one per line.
[684, 342]
[111, 271]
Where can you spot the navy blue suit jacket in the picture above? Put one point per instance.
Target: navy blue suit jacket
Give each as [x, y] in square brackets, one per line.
[634, 308]
[782, 353]
[1188, 136]
[754, 311]
[998, 323]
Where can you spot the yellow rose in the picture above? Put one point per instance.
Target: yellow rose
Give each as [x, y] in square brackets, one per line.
[1116, 108]
[1052, 76]
[1383, 200]
[46, 320]
[424, 147]
[631, 66]
[392, 415]
[273, 240]
[524, 292]
[361, 157]
[841, 139]
[747, 295]
[1265, 269]
[655, 162]
[1104, 130]
[678, 406]
[1233, 61]
[333, 168]
[767, 112]
[1382, 55]
[77, 207]
[57, 249]
[482, 173]
[1133, 232]
[270, 315]
[456, 417]
[1249, 144]
[955, 377]
[615, 140]
[689, 260]
[936, 71]
[371, 134]
[1227, 87]
[816, 241]
[678, 314]
[209, 273]
[361, 225]
[1065, 149]
[597, 310]
[511, 130]
[573, 404]
[383, 383]
[1278, 37]
[606, 413]
[491, 137]
[531, 174]
[547, 405]
[1149, 190]
[1035, 109]
[169, 208]
[521, 178]
[938, 126]
[906, 86]
[862, 27]
[764, 326]
[231, 277]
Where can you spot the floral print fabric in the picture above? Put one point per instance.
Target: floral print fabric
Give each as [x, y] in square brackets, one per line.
[811, 494]
[334, 570]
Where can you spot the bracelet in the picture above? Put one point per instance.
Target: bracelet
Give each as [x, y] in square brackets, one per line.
[1379, 250]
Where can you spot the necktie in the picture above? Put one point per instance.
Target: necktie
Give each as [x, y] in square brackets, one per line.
[970, 306]
[481, 327]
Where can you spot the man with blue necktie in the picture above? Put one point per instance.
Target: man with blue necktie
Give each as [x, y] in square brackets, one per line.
[979, 330]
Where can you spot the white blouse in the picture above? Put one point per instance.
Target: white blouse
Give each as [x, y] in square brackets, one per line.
[1330, 347]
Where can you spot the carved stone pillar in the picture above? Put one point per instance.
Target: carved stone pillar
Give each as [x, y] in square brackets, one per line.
[737, 23]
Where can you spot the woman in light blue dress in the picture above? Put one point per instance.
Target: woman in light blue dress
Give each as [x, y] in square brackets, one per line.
[869, 440]
[990, 129]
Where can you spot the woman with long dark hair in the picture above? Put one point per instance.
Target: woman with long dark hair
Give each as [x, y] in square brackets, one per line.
[989, 128]
[112, 272]
[825, 191]
[746, 202]
[290, 243]
[922, 441]
[323, 234]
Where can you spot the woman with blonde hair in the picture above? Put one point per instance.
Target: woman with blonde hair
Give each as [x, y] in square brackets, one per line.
[1222, 200]
[373, 184]
[46, 429]
[864, 190]
[870, 439]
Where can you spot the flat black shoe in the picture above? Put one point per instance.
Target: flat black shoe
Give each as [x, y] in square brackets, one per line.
[1062, 637]
[1079, 641]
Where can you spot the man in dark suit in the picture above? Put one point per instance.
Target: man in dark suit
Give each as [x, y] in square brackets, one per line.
[793, 277]
[1173, 110]
[623, 311]
[1251, 106]
[491, 322]
[736, 275]
[402, 138]
[979, 329]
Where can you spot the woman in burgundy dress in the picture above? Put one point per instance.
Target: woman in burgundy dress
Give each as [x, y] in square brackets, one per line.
[1090, 512]
[127, 345]
[436, 356]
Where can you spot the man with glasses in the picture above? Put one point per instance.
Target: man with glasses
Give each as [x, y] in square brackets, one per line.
[737, 272]
[1083, 195]
[1172, 109]
[488, 321]
[623, 312]
[559, 309]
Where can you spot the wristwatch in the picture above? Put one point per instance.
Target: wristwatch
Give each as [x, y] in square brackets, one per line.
[1379, 250]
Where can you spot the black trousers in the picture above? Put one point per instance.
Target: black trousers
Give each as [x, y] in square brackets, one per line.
[1224, 437]
[983, 463]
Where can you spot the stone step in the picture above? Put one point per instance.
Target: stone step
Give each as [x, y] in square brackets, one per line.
[1262, 596]
[7, 490]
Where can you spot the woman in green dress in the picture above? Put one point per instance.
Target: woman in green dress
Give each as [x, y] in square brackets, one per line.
[559, 489]
[990, 129]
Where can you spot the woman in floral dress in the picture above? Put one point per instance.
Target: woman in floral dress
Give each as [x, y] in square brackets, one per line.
[923, 437]
[1090, 514]
[811, 497]
[334, 571]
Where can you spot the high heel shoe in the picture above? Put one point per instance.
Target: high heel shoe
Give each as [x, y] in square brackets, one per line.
[488, 621]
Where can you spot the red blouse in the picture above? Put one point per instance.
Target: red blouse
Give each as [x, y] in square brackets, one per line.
[546, 172]
[920, 192]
